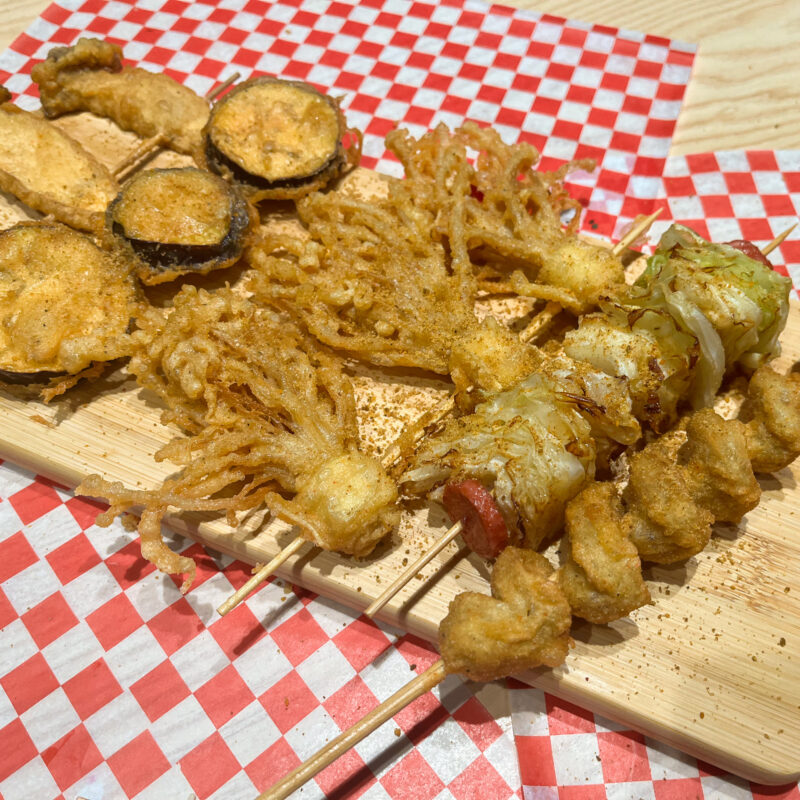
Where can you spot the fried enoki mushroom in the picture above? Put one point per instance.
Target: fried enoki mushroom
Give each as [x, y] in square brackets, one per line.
[706, 478]
[50, 172]
[270, 419]
[524, 624]
[89, 76]
[172, 222]
[278, 139]
[502, 216]
[65, 305]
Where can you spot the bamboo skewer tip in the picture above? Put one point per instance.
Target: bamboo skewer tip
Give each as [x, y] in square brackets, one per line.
[778, 240]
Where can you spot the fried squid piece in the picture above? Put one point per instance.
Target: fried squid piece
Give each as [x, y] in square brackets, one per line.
[601, 574]
[172, 222]
[270, 419]
[65, 305]
[697, 310]
[772, 414]
[89, 76]
[278, 139]
[50, 172]
[524, 624]
[501, 216]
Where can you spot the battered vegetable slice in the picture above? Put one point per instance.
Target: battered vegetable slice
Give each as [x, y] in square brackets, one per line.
[170, 222]
[50, 172]
[64, 303]
[280, 139]
[89, 76]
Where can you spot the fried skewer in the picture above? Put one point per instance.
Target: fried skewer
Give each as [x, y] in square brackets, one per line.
[149, 146]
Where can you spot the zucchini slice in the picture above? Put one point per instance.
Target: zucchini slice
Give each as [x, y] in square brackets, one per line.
[64, 303]
[170, 222]
[280, 139]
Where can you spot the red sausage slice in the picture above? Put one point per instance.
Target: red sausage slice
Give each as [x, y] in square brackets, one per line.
[485, 529]
[750, 250]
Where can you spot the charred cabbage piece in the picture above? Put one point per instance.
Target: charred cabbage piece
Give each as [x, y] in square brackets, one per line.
[64, 303]
[175, 221]
[280, 139]
[50, 172]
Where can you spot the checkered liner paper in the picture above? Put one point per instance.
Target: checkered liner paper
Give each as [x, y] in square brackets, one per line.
[112, 684]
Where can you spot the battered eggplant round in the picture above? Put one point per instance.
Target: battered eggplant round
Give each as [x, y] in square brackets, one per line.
[170, 222]
[280, 139]
[64, 303]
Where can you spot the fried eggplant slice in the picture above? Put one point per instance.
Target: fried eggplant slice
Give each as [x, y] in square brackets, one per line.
[64, 303]
[89, 76]
[279, 139]
[50, 172]
[170, 222]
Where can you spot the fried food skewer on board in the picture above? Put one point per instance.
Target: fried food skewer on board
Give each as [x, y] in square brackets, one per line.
[150, 146]
[50, 171]
[270, 419]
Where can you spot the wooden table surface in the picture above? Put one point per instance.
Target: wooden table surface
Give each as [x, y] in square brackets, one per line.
[744, 91]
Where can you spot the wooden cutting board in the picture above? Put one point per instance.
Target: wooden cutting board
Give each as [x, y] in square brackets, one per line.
[712, 667]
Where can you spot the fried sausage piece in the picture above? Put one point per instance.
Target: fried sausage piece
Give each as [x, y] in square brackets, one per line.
[601, 574]
[524, 624]
[89, 76]
[50, 172]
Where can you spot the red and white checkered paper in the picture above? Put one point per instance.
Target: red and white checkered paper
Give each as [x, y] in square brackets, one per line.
[111, 683]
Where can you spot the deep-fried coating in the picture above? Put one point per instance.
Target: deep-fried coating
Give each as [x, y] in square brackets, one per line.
[525, 623]
[50, 172]
[601, 574]
[271, 419]
[502, 216]
[89, 76]
[64, 303]
[772, 414]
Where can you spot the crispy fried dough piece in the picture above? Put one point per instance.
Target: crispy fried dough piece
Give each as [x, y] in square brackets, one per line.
[50, 172]
[502, 216]
[89, 76]
[601, 574]
[772, 414]
[172, 222]
[64, 303]
[277, 139]
[271, 421]
[525, 624]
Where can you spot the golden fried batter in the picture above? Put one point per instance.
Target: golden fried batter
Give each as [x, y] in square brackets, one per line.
[271, 419]
[601, 575]
[523, 625]
[89, 76]
[50, 172]
[772, 414]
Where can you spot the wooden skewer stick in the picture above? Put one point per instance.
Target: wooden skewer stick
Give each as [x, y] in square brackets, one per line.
[149, 146]
[260, 576]
[777, 240]
[216, 92]
[406, 576]
[420, 685]
[543, 319]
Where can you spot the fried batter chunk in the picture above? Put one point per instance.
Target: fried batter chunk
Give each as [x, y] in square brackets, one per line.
[772, 414]
[89, 76]
[50, 172]
[524, 624]
[601, 574]
[270, 419]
